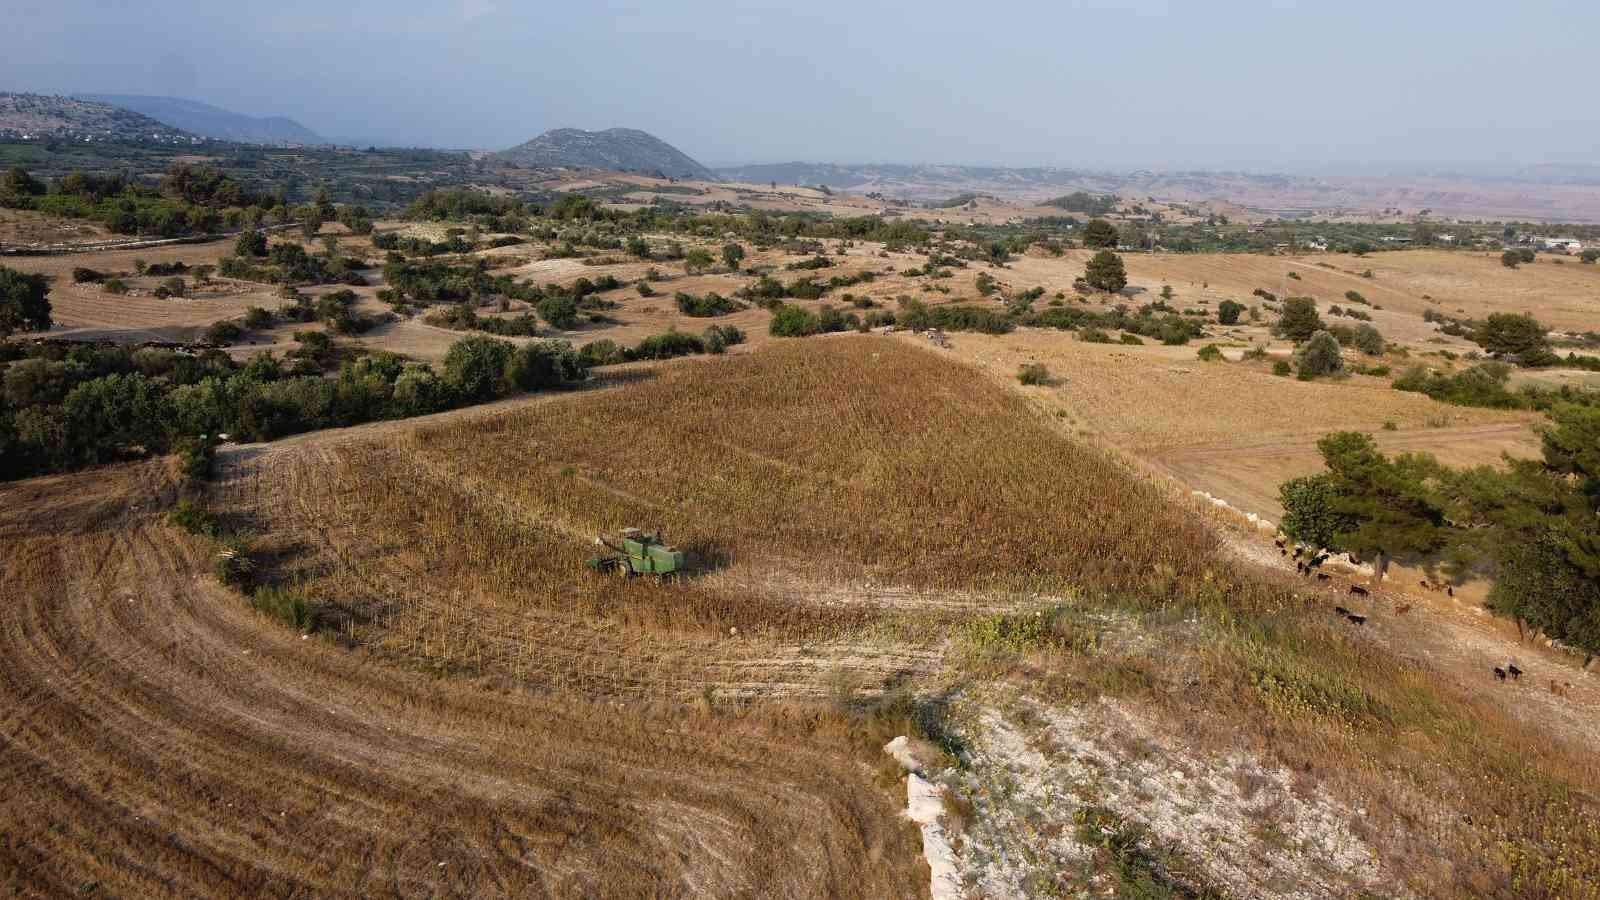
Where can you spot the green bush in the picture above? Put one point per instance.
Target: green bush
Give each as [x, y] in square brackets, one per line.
[223, 333]
[1368, 340]
[192, 516]
[1319, 356]
[1228, 312]
[1131, 340]
[791, 320]
[1299, 319]
[705, 307]
[1034, 374]
[475, 367]
[287, 606]
[668, 345]
[1210, 353]
[1094, 336]
[1281, 367]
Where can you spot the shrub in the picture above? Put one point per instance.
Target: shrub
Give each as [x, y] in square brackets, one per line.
[1281, 367]
[175, 287]
[1094, 336]
[1319, 356]
[256, 318]
[668, 345]
[1368, 340]
[286, 605]
[1131, 340]
[560, 312]
[604, 352]
[712, 304]
[541, 365]
[81, 275]
[1299, 319]
[720, 337]
[1210, 353]
[1228, 312]
[1034, 374]
[192, 516]
[791, 320]
[223, 333]
[195, 455]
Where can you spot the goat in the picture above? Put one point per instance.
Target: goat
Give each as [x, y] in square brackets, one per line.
[1281, 551]
[1450, 590]
[1279, 542]
[1321, 558]
[1557, 689]
[1402, 610]
[1426, 586]
[1356, 620]
[1323, 576]
[1499, 673]
[1341, 611]
[1511, 668]
[1359, 591]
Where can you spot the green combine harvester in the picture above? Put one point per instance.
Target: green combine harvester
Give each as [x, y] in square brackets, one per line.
[638, 554]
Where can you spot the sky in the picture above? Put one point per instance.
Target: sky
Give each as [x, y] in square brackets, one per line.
[1265, 86]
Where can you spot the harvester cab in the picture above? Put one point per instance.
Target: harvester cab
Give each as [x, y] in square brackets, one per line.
[637, 553]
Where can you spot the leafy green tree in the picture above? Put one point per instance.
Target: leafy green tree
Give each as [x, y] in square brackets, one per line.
[1391, 507]
[107, 417]
[733, 255]
[638, 247]
[1308, 511]
[24, 302]
[1319, 356]
[1511, 259]
[18, 183]
[1228, 312]
[475, 367]
[1106, 272]
[696, 260]
[1535, 527]
[251, 244]
[792, 320]
[541, 365]
[1519, 337]
[1100, 233]
[1589, 256]
[561, 312]
[1299, 319]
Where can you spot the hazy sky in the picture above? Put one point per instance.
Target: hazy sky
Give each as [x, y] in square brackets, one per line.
[1285, 85]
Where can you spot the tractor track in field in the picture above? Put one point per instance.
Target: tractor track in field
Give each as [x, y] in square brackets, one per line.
[159, 738]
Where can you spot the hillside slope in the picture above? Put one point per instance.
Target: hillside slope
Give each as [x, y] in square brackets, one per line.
[28, 116]
[624, 149]
[212, 121]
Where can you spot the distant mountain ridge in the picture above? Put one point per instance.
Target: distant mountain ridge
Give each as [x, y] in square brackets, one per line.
[40, 116]
[622, 149]
[212, 121]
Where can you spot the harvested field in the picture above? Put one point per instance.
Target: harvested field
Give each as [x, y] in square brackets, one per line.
[162, 739]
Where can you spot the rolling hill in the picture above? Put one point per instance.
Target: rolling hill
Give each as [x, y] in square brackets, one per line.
[30, 116]
[623, 149]
[213, 122]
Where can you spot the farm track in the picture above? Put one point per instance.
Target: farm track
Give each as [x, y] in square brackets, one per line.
[161, 739]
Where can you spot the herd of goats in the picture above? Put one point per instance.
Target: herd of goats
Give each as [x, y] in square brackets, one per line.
[1310, 567]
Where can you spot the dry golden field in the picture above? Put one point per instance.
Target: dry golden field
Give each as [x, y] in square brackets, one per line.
[877, 526]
